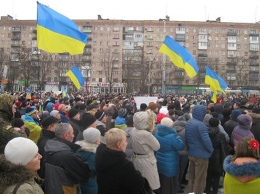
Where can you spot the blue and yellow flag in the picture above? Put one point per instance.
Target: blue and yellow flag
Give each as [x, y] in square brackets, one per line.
[179, 56]
[213, 94]
[58, 34]
[76, 77]
[215, 81]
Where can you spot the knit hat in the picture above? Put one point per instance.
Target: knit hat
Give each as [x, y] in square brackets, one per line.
[17, 122]
[62, 107]
[73, 112]
[244, 120]
[20, 151]
[167, 122]
[99, 115]
[159, 117]
[213, 122]
[91, 134]
[47, 121]
[29, 111]
[56, 106]
[152, 106]
[87, 119]
[235, 114]
[25, 103]
[54, 113]
[92, 106]
[122, 112]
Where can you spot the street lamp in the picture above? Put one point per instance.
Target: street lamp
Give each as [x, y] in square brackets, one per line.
[86, 75]
[164, 61]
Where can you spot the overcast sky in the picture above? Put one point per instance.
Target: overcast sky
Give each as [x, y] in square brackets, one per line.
[179, 10]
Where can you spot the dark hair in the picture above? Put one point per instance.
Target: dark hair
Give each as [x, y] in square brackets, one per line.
[243, 150]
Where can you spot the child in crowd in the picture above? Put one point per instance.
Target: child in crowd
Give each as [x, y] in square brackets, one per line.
[243, 169]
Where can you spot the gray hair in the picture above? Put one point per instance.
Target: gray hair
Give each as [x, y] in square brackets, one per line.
[61, 129]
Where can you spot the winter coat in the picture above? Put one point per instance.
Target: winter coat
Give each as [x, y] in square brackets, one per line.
[111, 113]
[35, 129]
[87, 154]
[7, 132]
[11, 175]
[45, 136]
[101, 127]
[215, 161]
[239, 133]
[255, 128]
[129, 149]
[144, 144]
[168, 156]
[76, 128]
[115, 174]
[230, 126]
[179, 126]
[63, 117]
[197, 135]
[233, 185]
[63, 169]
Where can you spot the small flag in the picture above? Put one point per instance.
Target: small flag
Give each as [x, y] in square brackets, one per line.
[58, 34]
[179, 56]
[76, 77]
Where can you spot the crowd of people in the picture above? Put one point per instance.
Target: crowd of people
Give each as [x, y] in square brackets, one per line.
[109, 144]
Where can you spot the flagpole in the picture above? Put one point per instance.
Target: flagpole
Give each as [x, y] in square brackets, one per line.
[164, 61]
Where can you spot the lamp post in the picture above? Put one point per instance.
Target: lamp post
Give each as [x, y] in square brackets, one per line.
[164, 61]
[86, 75]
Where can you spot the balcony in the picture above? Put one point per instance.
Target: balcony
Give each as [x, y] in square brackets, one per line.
[253, 34]
[87, 53]
[231, 63]
[88, 46]
[34, 31]
[231, 71]
[180, 39]
[231, 33]
[86, 60]
[16, 29]
[89, 38]
[202, 55]
[16, 38]
[253, 78]
[15, 44]
[254, 57]
[88, 31]
[254, 64]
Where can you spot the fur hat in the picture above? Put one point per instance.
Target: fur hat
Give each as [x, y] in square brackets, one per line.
[17, 122]
[48, 121]
[20, 151]
[91, 134]
[167, 122]
[144, 120]
[213, 122]
[29, 111]
[99, 115]
[122, 112]
[152, 105]
[87, 119]
[73, 112]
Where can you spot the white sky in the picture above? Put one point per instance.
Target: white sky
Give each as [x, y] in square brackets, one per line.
[179, 10]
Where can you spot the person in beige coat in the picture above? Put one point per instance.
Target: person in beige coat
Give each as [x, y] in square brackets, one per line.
[144, 144]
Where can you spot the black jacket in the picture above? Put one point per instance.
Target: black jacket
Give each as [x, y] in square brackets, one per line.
[255, 129]
[76, 128]
[63, 169]
[115, 174]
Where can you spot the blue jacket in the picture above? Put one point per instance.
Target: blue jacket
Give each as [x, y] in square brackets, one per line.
[197, 135]
[167, 155]
[63, 117]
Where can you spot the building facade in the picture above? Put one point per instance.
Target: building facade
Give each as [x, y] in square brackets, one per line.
[122, 56]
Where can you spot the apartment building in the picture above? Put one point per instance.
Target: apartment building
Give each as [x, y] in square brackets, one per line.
[122, 55]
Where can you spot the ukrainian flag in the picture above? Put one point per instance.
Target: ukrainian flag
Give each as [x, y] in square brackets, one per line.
[179, 56]
[76, 77]
[215, 81]
[58, 34]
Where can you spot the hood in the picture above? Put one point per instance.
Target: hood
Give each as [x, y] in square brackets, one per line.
[199, 112]
[6, 102]
[86, 146]
[179, 125]
[12, 174]
[206, 119]
[247, 169]
[111, 158]
[100, 123]
[244, 121]
[213, 131]
[57, 145]
[163, 130]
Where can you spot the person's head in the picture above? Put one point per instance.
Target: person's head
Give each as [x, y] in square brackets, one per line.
[7, 106]
[244, 121]
[32, 112]
[144, 120]
[167, 122]
[92, 135]
[213, 122]
[101, 116]
[49, 123]
[23, 151]
[122, 112]
[129, 121]
[235, 114]
[62, 108]
[236, 105]
[143, 107]
[153, 106]
[74, 114]
[64, 131]
[116, 139]
[88, 120]
[18, 123]
[247, 147]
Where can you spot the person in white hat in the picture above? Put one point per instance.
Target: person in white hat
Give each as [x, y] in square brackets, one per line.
[18, 166]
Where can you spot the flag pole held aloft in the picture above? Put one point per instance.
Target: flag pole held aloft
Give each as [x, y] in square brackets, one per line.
[76, 77]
